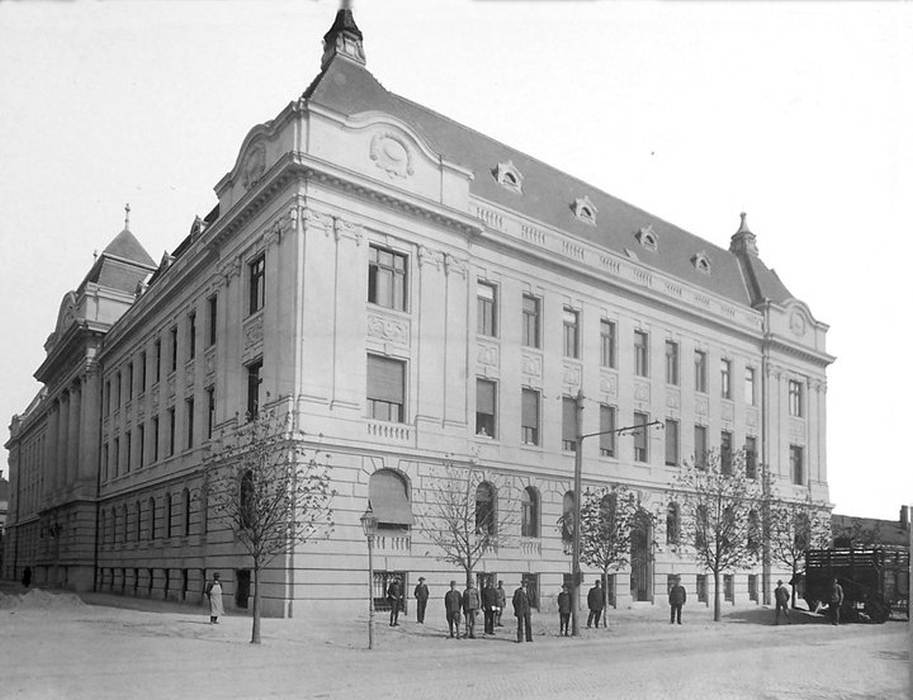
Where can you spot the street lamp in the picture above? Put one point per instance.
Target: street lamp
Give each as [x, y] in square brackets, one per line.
[578, 478]
[369, 524]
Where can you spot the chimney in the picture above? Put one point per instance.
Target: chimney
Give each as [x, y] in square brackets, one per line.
[904, 517]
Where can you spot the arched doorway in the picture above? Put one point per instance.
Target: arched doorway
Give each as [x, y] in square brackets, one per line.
[641, 558]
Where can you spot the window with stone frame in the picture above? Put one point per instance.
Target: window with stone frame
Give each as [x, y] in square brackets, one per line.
[529, 417]
[641, 439]
[386, 389]
[529, 512]
[700, 446]
[256, 284]
[486, 405]
[797, 464]
[606, 425]
[486, 309]
[641, 354]
[726, 378]
[606, 343]
[387, 278]
[531, 321]
[700, 371]
[795, 398]
[486, 509]
[726, 452]
[571, 333]
[751, 457]
[672, 442]
[671, 362]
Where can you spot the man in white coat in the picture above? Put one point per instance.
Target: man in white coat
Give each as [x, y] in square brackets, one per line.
[214, 593]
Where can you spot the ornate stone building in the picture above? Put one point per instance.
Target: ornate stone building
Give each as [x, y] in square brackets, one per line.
[416, 294]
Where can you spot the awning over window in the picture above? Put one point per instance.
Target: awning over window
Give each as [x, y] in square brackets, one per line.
[385, 379]
[568, 419]
[387, 494]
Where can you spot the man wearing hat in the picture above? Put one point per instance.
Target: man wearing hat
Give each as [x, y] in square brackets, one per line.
[781, 596]
[453, 603]
[421, 595]
[677, 598]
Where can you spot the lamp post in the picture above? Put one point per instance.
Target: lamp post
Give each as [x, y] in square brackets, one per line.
[369, 523]
[578, 478]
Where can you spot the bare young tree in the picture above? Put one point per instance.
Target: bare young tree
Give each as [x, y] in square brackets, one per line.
[608, 518]
[270, 491]
[720, 509]
[794, 528]
[462, 519]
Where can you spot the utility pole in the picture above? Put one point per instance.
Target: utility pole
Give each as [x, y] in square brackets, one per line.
[578, 478]
[578, 485]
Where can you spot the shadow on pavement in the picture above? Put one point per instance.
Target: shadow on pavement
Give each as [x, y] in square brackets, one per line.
[767, 617]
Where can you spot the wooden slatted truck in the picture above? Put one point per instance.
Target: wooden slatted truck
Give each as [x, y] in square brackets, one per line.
[875, 580]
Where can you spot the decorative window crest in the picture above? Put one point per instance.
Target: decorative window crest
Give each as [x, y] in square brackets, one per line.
[646, 236]
[701, 262]
[585, 210]
[508, 176]
[254, 165]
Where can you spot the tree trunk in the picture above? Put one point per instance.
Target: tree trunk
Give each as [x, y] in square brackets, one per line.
[605, 598]
[792, 586]
[255, 631]
[716, 596]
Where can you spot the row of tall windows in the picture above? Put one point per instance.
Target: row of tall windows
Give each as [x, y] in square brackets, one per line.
[134, 378]
[387, 286]
[117, 525]
[136, 452]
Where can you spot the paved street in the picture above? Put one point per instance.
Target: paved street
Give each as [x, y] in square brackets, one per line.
[96, 651]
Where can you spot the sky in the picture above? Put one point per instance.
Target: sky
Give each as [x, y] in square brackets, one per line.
[797, 113]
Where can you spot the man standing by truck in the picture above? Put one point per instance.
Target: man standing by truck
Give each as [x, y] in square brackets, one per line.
[836, 601]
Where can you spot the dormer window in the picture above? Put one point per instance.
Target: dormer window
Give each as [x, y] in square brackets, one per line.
[701, 262]
[508, 176]
[585, 210]
[647, 238]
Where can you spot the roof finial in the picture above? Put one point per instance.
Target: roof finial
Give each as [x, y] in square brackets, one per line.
[127, 216]
[743, 240]
[344, 38]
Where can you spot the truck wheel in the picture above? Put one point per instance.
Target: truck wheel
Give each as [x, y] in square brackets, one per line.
[877, 611]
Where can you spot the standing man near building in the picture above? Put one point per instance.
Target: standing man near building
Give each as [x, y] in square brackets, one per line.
[214, 593]
[677, 598]
[502, 602]
[781, 596]
[595, 602]
[471, 605]
[395, 597]
[421, 597]
[489, 604]
[523, 612]
[836, 601]
[564, 610]
[453, 602]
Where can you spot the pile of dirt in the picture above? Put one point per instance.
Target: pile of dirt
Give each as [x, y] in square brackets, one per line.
[39, 599]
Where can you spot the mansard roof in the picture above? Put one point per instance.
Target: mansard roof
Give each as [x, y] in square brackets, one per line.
[549, 195]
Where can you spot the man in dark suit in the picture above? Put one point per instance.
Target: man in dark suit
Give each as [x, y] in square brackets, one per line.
[677, 598]
[489, 604]
[421, 597]
[595, 602]
[395, 598]
[453, 603]
[564, 610]
[523, 613]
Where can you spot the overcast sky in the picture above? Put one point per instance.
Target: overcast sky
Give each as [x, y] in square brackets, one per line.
[799, 114]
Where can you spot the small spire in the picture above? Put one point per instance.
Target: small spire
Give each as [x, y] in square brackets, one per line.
[344, 38]
[127, 216]
[743, 227]
[95, 254]
[743, 240]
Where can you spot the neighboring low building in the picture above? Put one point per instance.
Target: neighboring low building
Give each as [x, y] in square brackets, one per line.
[415, 294]
[850, 531]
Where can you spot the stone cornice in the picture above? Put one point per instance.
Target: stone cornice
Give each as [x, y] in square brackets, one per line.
[803, 353]
[558, 247]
